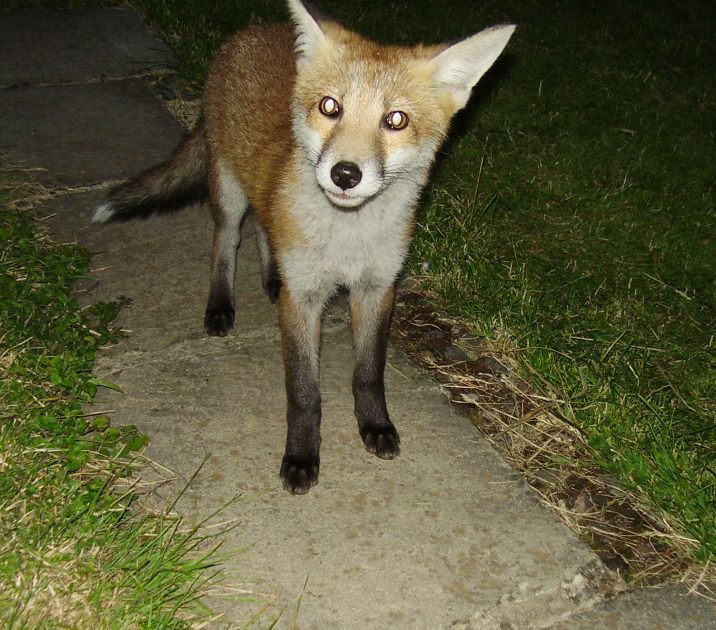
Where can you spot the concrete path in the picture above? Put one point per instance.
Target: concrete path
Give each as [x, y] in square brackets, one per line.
[445, 536]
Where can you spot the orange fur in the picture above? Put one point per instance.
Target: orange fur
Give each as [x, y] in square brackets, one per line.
[247, 109]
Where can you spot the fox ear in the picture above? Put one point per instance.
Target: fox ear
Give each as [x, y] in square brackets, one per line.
[309, 35]
[459, 67]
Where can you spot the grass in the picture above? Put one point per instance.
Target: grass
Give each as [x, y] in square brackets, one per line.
[589, 241]
[571, 215]
[74, 551]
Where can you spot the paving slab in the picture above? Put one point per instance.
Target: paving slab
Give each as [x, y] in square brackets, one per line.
[445, 534]
[666, 607]
[73, 135]
[58, 45]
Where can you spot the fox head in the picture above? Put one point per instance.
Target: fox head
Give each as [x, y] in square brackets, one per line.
[366, 114]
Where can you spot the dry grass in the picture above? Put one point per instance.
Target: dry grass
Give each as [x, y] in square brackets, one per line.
[185, 111]
[529, 423]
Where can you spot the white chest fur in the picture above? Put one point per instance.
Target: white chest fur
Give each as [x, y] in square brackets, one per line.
[347, 247]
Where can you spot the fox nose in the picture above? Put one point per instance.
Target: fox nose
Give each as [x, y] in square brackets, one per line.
[346, 175]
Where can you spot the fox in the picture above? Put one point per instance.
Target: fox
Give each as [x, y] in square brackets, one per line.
[328, 138]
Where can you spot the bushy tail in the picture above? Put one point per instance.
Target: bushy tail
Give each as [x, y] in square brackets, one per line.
[167, 187]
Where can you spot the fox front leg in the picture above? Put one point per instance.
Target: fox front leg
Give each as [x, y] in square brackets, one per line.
[300, 338]
[371, 311]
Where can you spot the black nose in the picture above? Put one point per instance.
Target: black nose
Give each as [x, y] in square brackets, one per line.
[346, 175]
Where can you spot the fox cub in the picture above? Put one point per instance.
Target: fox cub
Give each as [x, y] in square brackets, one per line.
[329, 138]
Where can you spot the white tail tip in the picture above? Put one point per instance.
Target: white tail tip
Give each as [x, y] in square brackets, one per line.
[103, 213]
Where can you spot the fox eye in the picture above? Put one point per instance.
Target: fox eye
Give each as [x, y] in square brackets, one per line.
[329, 107]
[396, 120]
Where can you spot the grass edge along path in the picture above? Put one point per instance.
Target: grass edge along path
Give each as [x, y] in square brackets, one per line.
[74, 549]
[521, 414]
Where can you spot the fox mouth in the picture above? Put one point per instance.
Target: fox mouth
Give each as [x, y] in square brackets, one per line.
[343, 199]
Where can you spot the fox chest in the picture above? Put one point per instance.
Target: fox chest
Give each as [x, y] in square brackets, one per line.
[367, 245]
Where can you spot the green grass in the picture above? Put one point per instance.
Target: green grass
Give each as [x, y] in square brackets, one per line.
[589, 241]
[571, 213]
[74, 551]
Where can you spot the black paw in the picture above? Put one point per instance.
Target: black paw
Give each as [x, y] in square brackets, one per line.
[299, 474]
[273, 288]
[381, 441]
[219, 321]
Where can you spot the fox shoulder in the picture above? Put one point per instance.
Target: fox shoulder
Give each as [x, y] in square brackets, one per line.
[252, 75]
[247, 104]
